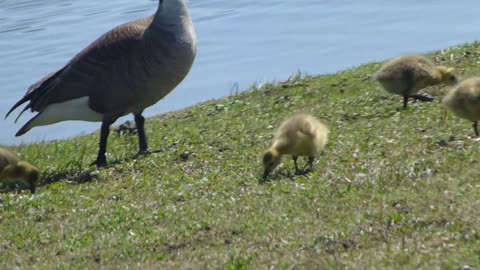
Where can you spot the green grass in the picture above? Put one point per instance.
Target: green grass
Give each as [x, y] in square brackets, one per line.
[394, 189]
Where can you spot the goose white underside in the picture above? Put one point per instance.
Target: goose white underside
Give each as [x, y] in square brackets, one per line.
[75, 109]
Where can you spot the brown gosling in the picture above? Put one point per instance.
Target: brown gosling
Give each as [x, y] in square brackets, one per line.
[300, 135]
[12, 170]
[406, 75]
[464, 101]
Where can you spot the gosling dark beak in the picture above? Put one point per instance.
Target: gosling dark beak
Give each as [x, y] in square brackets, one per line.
[265, 174]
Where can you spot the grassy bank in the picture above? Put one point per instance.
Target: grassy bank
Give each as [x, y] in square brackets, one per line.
[393, 188]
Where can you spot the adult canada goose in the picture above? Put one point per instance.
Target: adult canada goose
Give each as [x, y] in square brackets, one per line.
[406, 75]
[464, 101]
[12, 169]
[124, 71]
[300, 135]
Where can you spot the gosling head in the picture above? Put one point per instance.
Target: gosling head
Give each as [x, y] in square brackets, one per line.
[24, 172]
[447, 75]
[271, 159]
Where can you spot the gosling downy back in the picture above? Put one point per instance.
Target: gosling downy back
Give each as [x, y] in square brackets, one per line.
[406, 75]
[12, 170]
[409, 73]
[301, 135]
[124, 71]
[464, 101]
[7, 157]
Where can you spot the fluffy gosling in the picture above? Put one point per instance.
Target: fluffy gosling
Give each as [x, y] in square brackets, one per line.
[12, 170]
[300, 135]
[406, 75]
[464, 101]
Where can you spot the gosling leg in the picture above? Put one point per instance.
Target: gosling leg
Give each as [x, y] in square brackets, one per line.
[295, 159]
[475, 128]
[310, 163]
[409, 78]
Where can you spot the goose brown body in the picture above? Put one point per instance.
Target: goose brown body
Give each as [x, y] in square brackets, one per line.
[124, 71]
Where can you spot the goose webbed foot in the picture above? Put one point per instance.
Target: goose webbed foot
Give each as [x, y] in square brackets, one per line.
[100, 162]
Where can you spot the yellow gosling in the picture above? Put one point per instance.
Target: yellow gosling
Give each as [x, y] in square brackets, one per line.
[13, 170]
[406, 75]
[300, 135]
[464, 101]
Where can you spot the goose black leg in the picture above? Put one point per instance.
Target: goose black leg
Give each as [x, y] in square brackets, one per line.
[101, 160]
[409, 79]
[142, 139]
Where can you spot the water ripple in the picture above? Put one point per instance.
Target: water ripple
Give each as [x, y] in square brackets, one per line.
[240, 42]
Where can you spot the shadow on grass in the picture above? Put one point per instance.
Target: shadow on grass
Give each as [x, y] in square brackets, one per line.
[80, 176]
[117, 161]
[281, 175]
[76, 175]
[71, 177]
[270, 178]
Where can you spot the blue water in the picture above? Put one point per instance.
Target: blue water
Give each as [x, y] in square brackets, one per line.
[240, 43]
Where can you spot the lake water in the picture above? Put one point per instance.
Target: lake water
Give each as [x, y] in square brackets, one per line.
[240, 43]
